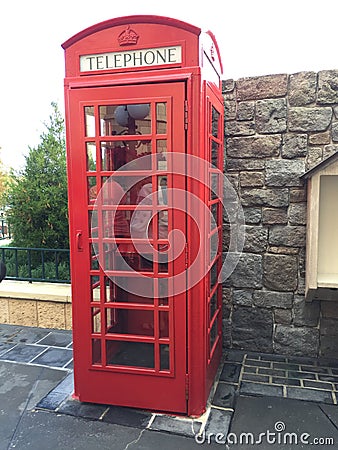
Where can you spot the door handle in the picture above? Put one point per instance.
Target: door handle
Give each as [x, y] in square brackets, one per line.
[79, 243]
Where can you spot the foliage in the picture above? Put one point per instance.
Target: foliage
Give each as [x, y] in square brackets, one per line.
[37, 195]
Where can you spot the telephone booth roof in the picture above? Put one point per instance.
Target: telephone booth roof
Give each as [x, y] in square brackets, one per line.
[132, 33]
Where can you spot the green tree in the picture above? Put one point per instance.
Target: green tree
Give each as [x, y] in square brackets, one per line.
[37, 195]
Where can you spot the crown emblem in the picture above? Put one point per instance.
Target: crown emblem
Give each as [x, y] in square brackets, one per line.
[128, 37]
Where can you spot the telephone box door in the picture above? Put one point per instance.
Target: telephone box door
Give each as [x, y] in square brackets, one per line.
[127, 219]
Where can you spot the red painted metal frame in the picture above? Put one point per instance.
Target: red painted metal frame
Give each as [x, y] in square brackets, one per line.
[193, 346]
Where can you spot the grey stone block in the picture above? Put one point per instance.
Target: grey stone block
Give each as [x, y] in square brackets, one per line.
[294, 145]
[288, 236]
[256, 239]
[270, 299]
[327, 87]
[252, 328]
[271, 116]
[302, 88]
[254, 146]
[273, 197]
[310, 119]
[261, 87]
[280, 272]
[284, 172]
[296, 341]
[248, 272]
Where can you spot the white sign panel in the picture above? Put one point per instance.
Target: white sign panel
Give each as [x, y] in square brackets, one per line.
[148, 57]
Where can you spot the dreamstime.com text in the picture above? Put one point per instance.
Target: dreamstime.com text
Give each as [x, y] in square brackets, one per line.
[279, 437]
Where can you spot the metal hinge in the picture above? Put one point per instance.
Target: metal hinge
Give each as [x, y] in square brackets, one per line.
[186, 255]
[186, 386]
[185, 114]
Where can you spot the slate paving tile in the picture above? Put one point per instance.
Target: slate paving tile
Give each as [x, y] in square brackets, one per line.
[224, 395]
[57, 395]
[66, 385]
[127, 416]
[318, 384]
[22, 353]
[54, 357]
[303, 375]
[252, 362]
[175, 425]
[315, 369]
[249, 369]
[18, 334]
[5, 347]
[235, 355]
[251, 388]
[286, 381]
[230, 372]
[84, 410]
[312, 395]
[56, 339]
[52, 400]
[302, 360]
[219, 421]
[285, 366]
[332, 378]
[274, 372]
[255, 377]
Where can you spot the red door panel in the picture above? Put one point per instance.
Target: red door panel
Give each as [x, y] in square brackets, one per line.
[129, 325]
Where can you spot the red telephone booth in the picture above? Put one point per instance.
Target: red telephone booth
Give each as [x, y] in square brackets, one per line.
[144, 122]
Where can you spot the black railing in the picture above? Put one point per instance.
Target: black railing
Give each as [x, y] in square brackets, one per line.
[36, 264]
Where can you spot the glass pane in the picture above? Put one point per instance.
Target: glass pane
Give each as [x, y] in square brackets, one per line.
[135, 354]
[92, 190]
[89, 121]
[214, 216]
[162, 196]
[163, 258]
[136, 155]
[91, 156]
[121, 290]
[127, 190]
[94, 262]
[213, 275]
[125, 119]
[164, 357]
[164, 324]
[214, 185]
[213, 245]
[93, 224]
[115, 224]
[163, 289]
[161, 151]
[161, 118]
[213, 334]
[95, 288]
[96, 351]
[111, 319]
[96, 320]
[132, 321]
[214, 153]
[215, 122]
[213, 305]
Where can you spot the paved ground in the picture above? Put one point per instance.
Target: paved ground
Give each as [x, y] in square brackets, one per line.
[260, 401]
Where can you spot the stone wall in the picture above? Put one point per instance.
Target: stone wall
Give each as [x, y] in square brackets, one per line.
[277, 127]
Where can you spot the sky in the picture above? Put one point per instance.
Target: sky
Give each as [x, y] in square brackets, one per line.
[255, 37]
